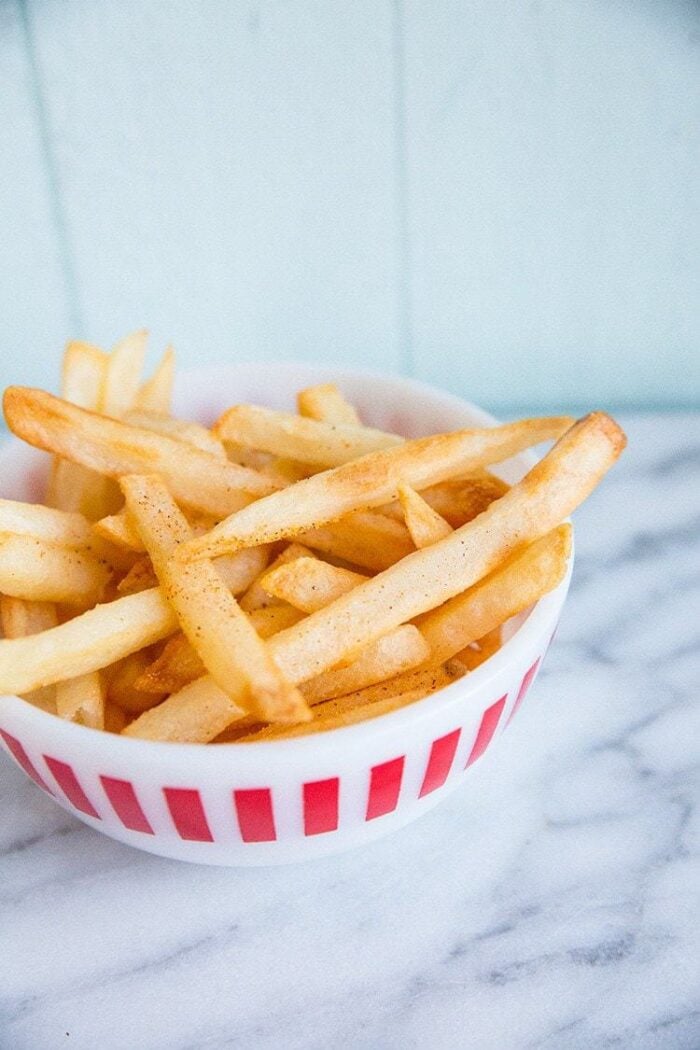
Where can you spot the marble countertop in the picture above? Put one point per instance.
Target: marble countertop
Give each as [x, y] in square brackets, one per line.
[551, 902]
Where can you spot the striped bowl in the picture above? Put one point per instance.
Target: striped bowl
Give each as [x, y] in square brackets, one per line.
[284, 800]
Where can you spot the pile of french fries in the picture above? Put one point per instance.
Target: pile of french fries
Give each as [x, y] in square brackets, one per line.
[275, 575]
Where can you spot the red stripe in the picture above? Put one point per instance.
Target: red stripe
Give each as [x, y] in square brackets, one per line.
[486, 729]
[254, 812]
[22, 759]
[442, 755]
[384, 787]
[71, 786]
[126, 805]
[321, 806]
[188, 814]
[524, 686]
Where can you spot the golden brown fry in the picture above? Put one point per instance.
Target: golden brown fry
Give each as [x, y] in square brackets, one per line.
[369, 482]
[197, 479]
[179, 664]
[122, 688]
[123, 375]
[460, 501]
[82, 700]
[91, 641]
[65, 528]
[376, 700]
[273, 619]
[195, 714]
[119, 530]
[326, 403]
[176, 666]
[393, 654]
[510, 589]
[116, 720]
[140, 577]
[179, 429]
[257, 597]
[477, 653]
[59, 527]
[45, 572]
[305, 440]
[20, 619]
[249, 457]
[155, 395]
[239, 573]
[428, 578]
[288, 470]
[209, 616]
[71, 486]
[366, 538]
[83, 374]
[425, 525]
[309, 583]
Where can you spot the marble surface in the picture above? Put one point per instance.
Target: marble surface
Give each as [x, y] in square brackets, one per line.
[552, 902]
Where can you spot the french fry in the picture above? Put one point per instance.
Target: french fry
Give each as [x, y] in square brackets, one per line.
[180, 429]
[257, 596]
[295, 437]
[88, 642]
[425, 525]
[326, 403]
[20, 619]
[155, 394]
[430, 577]
[122, 688]
[179, 664]
[394, 653]
[288, 470]
[73, 487]
[64, 528]
[176, 666]
[210, 617]
[249, 457]
[44, 572]
[82, 700]
[365, 538]
[119, 530]
[477, 653]
[400, 607]
[369, 482]
[83, 374]
[116, 720]
[309, 584]
[376, 700]
[140, 577]
[195, 714]
[459, 501]
[122, 378]
[507, 591]
[239, 573]
[195, 478]
[59, 527]
[273, 619]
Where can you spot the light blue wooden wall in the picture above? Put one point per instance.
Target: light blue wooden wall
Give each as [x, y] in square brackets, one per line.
[498, 196]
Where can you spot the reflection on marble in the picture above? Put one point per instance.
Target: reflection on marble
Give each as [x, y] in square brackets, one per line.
[552, 902]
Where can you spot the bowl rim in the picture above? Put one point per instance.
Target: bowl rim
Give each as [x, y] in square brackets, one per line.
[538, 620]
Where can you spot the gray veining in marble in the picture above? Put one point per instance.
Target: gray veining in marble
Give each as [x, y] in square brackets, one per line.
[552, 903]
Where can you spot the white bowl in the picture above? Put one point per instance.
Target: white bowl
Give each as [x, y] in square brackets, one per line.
[284, 800]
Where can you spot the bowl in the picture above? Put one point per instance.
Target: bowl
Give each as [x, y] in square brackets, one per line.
[284, 800]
